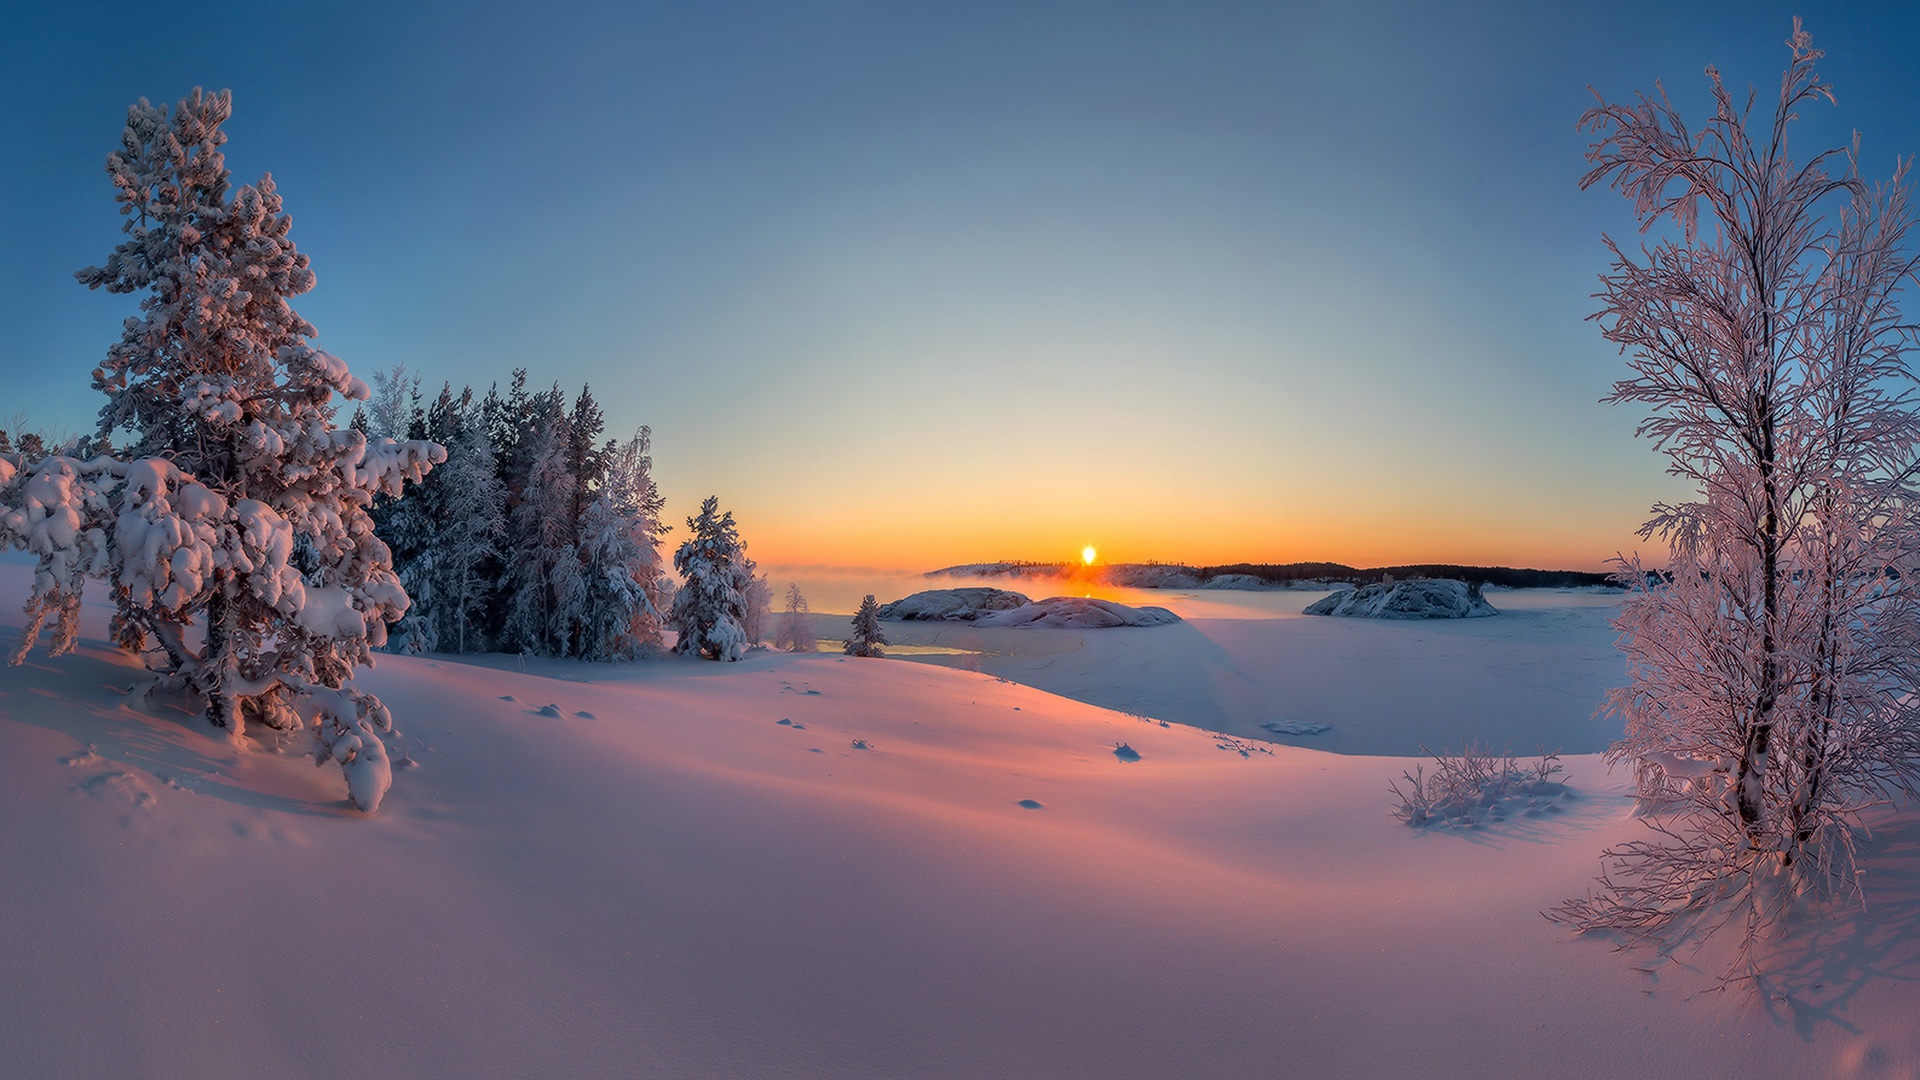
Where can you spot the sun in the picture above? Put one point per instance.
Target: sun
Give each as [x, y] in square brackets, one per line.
[1087, 554]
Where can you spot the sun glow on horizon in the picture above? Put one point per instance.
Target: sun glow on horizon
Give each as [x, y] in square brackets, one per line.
[1087, 555]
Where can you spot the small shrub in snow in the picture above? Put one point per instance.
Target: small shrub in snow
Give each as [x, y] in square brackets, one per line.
[1474, 781]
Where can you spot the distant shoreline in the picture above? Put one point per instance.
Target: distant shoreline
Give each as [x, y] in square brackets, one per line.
[1304, 575]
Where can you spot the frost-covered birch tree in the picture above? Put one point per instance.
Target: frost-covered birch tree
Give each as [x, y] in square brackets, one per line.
[234, 534]
[795, 631]
[1775, 659]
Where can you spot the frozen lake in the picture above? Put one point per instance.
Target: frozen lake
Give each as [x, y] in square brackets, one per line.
[1531, 677]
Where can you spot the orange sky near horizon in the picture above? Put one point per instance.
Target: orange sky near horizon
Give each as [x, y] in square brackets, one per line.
[1244, 534]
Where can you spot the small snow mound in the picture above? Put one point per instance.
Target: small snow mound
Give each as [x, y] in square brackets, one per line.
[85, 756]
[548, 709]
[952, 605]
[1280, 726]
[1126, 753]
[1079, 613]
[585, 715]
[1424, 598]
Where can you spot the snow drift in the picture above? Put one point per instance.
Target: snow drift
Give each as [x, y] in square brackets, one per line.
[1438, 598]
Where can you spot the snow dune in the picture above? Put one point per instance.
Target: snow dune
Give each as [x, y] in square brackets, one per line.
[664, 879]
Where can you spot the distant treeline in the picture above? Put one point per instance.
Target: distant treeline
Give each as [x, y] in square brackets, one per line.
[1504, 576]
[1281, 574]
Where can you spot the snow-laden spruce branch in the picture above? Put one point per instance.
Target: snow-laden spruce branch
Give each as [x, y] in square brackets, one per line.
[1773, 663]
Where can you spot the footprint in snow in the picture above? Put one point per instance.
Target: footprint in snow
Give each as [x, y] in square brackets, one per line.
[585, 715]
[1126, 753]
[506, 697]
[1030, 804]
[84, 757]
[784, 722]
[115, 787]
[861, 744]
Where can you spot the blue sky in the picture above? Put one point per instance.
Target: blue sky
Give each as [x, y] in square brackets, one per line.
[907, 284]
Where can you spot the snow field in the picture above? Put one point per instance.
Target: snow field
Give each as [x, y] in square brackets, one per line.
[684, 886]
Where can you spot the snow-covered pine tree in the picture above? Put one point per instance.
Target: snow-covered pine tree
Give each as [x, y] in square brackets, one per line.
[620, 556]
[867, 637]
[465, 547]
[586, 457]
[795, 631]
[417, 527]
[710, 610]
[234, 534]
[1774, 663]
[546, 605]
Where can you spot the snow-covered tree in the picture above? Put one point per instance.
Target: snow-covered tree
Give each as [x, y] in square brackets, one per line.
[620, 534]
[866, 638]
[1774, 662]
[795, 632]
[234, 535]
[546, 607]
[389, 411]
[759, 594]
[466, 543]
[710, 610]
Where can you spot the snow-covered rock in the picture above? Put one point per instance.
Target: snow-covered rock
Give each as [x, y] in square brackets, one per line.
[953, 605]
[1429, 598]
[1151, 576]
[1079, 613]
[1235, 581]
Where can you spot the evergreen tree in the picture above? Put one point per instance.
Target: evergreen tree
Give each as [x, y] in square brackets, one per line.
[234, 535]
[467, 542]
[620, 556]
[546, 606]
[710, 610]
[867, 637]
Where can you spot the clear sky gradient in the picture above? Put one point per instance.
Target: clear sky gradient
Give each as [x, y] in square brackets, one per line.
[912, 284]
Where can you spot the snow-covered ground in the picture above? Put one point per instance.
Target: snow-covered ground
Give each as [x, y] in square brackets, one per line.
[814, 866]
